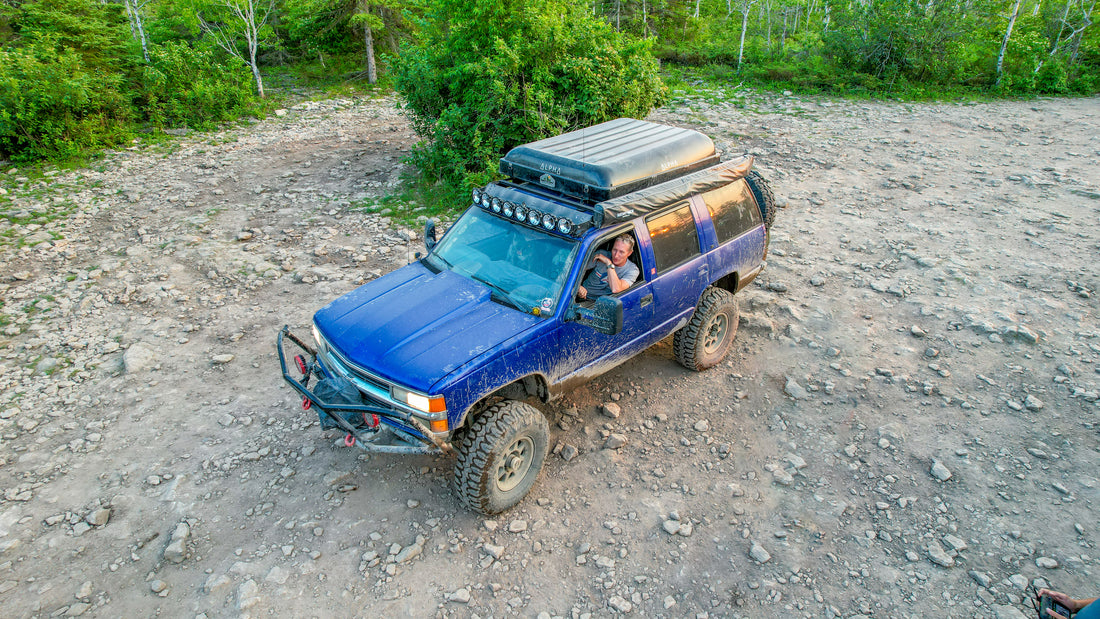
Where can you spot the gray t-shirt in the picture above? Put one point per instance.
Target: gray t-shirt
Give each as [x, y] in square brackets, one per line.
[596, 282]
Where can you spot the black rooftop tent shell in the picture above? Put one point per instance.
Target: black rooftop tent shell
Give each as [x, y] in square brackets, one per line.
[610, 159]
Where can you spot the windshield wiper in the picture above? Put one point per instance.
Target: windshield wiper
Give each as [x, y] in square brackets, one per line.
[502, 294]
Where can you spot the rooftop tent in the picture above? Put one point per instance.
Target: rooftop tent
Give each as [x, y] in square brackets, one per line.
[610, 159]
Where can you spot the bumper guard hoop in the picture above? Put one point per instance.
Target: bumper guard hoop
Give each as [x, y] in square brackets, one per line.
[366, 439]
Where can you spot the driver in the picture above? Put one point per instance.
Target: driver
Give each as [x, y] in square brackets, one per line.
[610, 273]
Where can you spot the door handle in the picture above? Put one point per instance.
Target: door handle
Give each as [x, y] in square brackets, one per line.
[646, 300]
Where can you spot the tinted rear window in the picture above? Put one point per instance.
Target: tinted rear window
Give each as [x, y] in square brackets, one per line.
[674, 237]
[732, 210]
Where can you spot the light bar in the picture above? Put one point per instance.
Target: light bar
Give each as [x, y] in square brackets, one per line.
[522, 213]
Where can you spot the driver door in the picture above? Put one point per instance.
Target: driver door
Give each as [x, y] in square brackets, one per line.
[586, 352]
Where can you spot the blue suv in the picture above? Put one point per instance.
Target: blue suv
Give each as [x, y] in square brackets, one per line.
[445, 354]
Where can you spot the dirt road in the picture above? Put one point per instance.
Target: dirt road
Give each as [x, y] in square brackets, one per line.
[907, 427]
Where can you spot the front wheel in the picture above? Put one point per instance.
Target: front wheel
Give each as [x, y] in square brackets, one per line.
[500, 456]
[706, 339]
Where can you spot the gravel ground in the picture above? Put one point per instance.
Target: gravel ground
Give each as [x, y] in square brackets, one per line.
[907, 426]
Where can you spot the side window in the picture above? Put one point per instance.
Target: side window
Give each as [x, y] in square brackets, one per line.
[732, 210]
[674, 236]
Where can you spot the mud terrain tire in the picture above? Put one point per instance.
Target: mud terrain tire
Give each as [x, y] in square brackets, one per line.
[500, 456]
[706, 339]
[762, 191]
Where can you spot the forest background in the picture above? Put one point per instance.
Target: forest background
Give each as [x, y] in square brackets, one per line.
[481, 76]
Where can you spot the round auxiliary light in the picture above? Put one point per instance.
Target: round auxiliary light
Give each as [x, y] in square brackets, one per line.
[534, 217]
[485, 199]
[521, 212]
[565, 226]
[496, 205]
[549, 221]
[477, 196]
[509, 208]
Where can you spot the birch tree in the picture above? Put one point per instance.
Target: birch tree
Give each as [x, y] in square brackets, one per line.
[745, 7]
[1004, 42]
[242, 20]
[134, 10]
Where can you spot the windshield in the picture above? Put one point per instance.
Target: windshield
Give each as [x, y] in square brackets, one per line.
[525, 267]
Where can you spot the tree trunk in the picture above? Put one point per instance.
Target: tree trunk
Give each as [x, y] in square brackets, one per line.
[372, 68]
[769, 38]
[137, 26]
[697, 8]
[391, 27]
[1004, 43]
[249, 28]
[1081, 32]
[1057, 38]
[783, 36]
[744, 28]
[256, 71]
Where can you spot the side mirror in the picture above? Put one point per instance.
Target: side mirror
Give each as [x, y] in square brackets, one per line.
[429, 235]
[605, 316]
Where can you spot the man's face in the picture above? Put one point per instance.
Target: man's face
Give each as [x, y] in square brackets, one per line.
[620, 252]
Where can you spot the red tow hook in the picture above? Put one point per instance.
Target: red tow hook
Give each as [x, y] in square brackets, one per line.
[301, 363]
[306, 403]
[349, 441]
[374, 421]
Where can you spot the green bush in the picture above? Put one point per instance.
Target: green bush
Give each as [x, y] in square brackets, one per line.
[505, 74]
[53, 106]
[194, 86]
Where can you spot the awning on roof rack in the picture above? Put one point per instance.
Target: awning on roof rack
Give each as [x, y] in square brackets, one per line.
[659, 196]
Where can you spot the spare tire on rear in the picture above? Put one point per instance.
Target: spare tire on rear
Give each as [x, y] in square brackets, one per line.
[764, 198]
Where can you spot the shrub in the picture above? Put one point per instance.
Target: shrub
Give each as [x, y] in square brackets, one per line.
[504, 74]
[184, 85]
[52, 106]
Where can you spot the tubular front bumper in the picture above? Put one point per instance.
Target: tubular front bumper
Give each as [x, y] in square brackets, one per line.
[385, 433]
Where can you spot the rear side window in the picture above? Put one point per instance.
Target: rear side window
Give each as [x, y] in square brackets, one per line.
[732, 210]
[674, 237]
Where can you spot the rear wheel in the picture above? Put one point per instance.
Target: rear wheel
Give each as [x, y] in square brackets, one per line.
[500, 456]
[706, 339]
[762, 191]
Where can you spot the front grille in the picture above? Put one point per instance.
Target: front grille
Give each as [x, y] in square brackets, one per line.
[351, 368]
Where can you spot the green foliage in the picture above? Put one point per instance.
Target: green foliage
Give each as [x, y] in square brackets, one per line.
[908, 48]
[191, 86]
[54, 106]
[504, 74]
[73, 80]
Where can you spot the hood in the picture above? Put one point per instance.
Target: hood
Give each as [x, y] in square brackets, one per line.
[414, 327]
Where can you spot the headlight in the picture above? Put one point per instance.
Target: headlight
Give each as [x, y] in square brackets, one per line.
[565, 226]
[521, 212]
[477, 196]
[496, 205]
[509, 208]
[533, 217]
[317, 338]
[485, 200]
[420, 402]
[549, 221]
